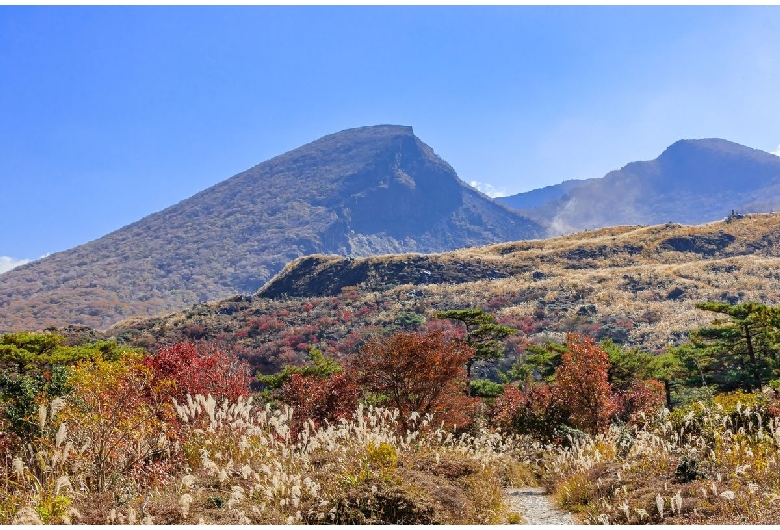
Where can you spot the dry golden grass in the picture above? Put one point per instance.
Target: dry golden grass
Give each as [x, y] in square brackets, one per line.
[239, 464]
[712, 463]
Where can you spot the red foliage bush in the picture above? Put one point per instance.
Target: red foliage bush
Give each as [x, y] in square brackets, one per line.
[320, 399]
[531, 410]
[581, 387]
[642, 397]
[198, 369]
[497, 301]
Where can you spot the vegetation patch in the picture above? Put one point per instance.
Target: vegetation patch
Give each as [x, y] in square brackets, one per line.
[419, 422]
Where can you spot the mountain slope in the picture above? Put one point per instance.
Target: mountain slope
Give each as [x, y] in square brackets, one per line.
[541, 196]
[691, 182]
[635, 285]
[357, 192]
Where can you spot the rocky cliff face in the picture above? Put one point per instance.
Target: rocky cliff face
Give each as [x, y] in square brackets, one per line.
[359, 192]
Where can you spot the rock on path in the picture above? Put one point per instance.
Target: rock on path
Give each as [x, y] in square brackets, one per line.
[535, 507]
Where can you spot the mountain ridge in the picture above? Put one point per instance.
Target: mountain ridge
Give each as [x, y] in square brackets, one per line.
[363, 191]
[541, 196]
[690, 182]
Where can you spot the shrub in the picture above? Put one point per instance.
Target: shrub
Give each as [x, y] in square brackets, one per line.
[640, 399]
[200, 368]
[417, 372]
[110, 418]
[528, 411]
[582, 386]
[320, 399]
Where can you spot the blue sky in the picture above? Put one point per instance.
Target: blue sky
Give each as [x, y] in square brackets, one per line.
[112, 113]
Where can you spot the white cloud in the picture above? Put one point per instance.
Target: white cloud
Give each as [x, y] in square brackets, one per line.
[776, 152]
[7, 263]
[490, 190]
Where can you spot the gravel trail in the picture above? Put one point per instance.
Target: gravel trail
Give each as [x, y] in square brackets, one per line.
[536, 507]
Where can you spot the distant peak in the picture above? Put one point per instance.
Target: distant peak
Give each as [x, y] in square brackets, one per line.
[686, 143]
[403, 129]
[717, 147]
[717, 144]
[373, 130]
[370, 134]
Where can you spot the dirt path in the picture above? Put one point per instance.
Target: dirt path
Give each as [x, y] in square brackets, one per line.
[536, 507]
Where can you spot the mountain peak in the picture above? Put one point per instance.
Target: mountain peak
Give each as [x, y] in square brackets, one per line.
[359, 136]
[716, 147]
[380, 129]
[357, 192]
[710, 143]
[693, 181]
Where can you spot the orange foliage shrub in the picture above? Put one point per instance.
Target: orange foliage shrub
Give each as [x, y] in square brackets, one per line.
[418, 372]
[641, 398]
[530, 410]
[320, 399]
[109, 416]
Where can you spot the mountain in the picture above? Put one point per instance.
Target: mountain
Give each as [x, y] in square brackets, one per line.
[691, 182]
[364, 191]
[541, 196]
[635, 285]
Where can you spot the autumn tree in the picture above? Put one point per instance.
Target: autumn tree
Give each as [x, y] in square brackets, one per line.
[582, 386]
[319, 390]
[483, 335]
[416, 372]
[110, 418]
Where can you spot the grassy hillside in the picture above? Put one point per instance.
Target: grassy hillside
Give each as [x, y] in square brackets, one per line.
[637, 285]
